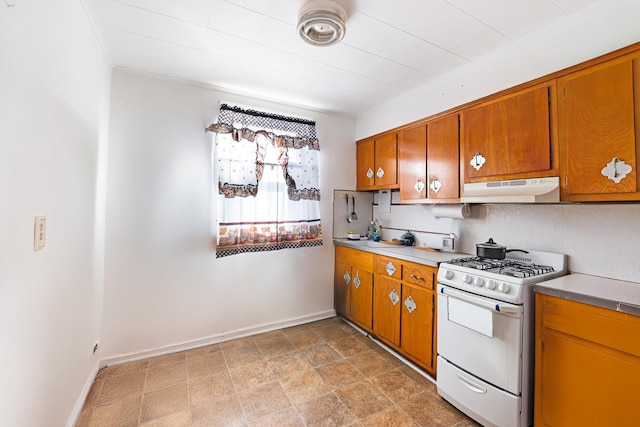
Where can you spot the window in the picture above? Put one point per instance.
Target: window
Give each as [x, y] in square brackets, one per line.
[266, 167]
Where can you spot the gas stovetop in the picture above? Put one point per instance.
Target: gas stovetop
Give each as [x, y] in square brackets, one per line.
[502, 279]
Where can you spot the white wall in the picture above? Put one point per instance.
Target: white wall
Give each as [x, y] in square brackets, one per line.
[607, 26]
[54, 105]
[163, 284]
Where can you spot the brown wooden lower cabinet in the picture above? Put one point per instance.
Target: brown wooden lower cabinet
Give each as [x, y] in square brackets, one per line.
[399, 310]
[587, 368]
[353, 285]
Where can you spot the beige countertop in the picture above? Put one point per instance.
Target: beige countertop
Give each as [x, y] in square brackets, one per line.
[406, 253]
[613, 294]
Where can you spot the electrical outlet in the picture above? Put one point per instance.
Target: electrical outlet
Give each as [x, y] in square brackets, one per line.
[96, 346]
[39, 232]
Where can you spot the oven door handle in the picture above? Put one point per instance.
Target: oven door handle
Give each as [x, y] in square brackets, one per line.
[482, 302]
[474, 387]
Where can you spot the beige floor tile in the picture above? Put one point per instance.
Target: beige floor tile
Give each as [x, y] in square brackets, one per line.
[175, 419]
[321, 354]
[305, 338]
[122, 413]
[206, 350]
[275, 347]
[244, 355]
[213, 388]
[324, 373]
[237, 343]
[326, 410]
[119, 386]
[263, 400]
[289, 366]
[390, 417]
[125, 368]
[168, 359]
[340, 374]
[426, 409]
[205, 364]
[252, 374]
[287, 418]
[363, 399]
[165, 375]
[160, 403]
[396, 385]
[224, 413]
[306, 386]
[332, 332]
[269, 336]
[370, 363]
[349, 346]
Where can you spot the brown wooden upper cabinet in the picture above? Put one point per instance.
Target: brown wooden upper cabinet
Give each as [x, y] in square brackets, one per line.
[510, 137]
[377, 162]
[598, 119]
[428, 160]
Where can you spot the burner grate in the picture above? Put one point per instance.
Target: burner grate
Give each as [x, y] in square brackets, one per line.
[506, 267]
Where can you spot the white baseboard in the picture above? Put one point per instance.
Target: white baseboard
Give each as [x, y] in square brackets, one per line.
[215, 339]
[77, 409]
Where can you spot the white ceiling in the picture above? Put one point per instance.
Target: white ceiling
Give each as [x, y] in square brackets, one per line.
[252, 47]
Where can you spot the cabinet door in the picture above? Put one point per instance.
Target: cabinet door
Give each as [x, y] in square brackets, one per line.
[597, 128]
[412, 163]
[387, 300]
[341, 287]
[417, 321]
[361, 290]
[386, 161]
[365, 164]
[587, 365]
[443, 158]
[509, 137]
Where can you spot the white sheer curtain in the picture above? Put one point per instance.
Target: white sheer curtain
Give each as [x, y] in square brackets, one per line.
[267, 172]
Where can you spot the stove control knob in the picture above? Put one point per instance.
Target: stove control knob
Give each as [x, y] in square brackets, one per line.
[467, 279]
[491, 284]
[479, 282]
[448, 274]
[504, 287]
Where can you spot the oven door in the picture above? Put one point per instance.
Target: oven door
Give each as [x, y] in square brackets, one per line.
[481, 336]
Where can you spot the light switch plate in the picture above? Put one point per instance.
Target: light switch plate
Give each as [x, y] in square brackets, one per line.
[39, 232]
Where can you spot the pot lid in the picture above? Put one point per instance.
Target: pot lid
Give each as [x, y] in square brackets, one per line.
[489, 244]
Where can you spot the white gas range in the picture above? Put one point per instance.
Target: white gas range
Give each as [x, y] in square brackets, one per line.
[486, 333]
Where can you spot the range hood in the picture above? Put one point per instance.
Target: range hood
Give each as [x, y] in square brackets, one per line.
[533, 190]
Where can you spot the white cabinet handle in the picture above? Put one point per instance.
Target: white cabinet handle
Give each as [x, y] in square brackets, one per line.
[436, 185]
[346, 277]
[616, 170]
[356, 281]
[394, 297]
[478, 161]
[369, 173]
[390, 268]
[410, 304]
[380, 173]
[419, 186]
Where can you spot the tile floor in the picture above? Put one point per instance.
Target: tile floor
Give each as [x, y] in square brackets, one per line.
[324, 373]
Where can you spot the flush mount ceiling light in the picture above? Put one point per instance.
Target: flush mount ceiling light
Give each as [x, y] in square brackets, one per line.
[322, 23]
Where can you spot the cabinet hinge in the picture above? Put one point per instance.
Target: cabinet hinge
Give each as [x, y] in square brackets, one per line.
[566, 181]
[564, 93]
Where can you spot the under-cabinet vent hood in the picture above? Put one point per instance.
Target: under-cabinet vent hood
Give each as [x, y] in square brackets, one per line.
[533, 190]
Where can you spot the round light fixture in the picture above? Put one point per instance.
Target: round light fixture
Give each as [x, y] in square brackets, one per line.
[322, 23]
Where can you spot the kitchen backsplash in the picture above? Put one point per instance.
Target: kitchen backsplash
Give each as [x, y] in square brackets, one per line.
[599, 239]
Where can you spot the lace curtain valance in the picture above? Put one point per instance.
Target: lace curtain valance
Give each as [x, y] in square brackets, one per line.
[266, 166]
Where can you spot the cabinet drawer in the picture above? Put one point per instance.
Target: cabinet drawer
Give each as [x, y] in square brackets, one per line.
[417, 274]
[599, 325]
[355, 257]
[389, 267]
